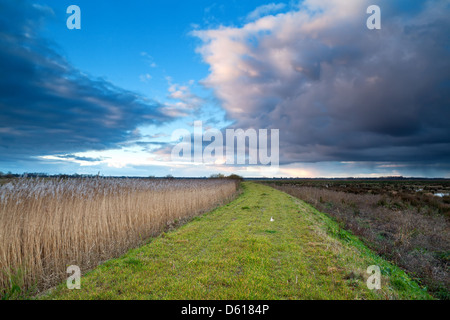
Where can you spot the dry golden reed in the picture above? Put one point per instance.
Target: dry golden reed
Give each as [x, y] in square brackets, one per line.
[48, 224]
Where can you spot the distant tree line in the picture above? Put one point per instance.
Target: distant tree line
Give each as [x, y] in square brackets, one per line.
[43, 175]
[8, 175]
[76, 175]
[222, 176]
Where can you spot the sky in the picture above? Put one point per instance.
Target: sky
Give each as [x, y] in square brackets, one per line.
[348, 101]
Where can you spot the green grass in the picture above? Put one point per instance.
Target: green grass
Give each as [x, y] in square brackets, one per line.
[236, 252]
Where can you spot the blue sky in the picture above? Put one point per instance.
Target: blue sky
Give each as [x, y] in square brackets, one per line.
[348, 101]
[115, 35]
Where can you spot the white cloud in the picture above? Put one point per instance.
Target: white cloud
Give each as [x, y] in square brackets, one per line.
[185, 102]
[148, 59]
[145, 77]
[265, 10]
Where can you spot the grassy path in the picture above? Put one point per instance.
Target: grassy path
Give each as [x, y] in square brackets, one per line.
[236, 252]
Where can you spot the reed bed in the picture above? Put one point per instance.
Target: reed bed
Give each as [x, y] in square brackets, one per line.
[48, 224]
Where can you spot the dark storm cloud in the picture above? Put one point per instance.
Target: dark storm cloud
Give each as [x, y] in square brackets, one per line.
[49, 107]
[336, 90]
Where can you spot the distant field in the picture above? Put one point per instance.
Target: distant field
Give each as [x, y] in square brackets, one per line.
[407, 222]
[237, 252]
[433, 191]
[49, 224]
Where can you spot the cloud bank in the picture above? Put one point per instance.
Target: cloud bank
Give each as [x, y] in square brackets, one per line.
[49, 107]
[336, 90]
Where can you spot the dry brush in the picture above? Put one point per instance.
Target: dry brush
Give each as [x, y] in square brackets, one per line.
[412, 237]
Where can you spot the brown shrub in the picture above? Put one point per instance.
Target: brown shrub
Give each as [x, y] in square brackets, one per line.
[407, 229]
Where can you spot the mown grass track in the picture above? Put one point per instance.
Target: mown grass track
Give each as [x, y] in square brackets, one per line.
[236, 252]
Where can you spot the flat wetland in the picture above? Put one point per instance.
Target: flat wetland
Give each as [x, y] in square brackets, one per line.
[221, 239]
